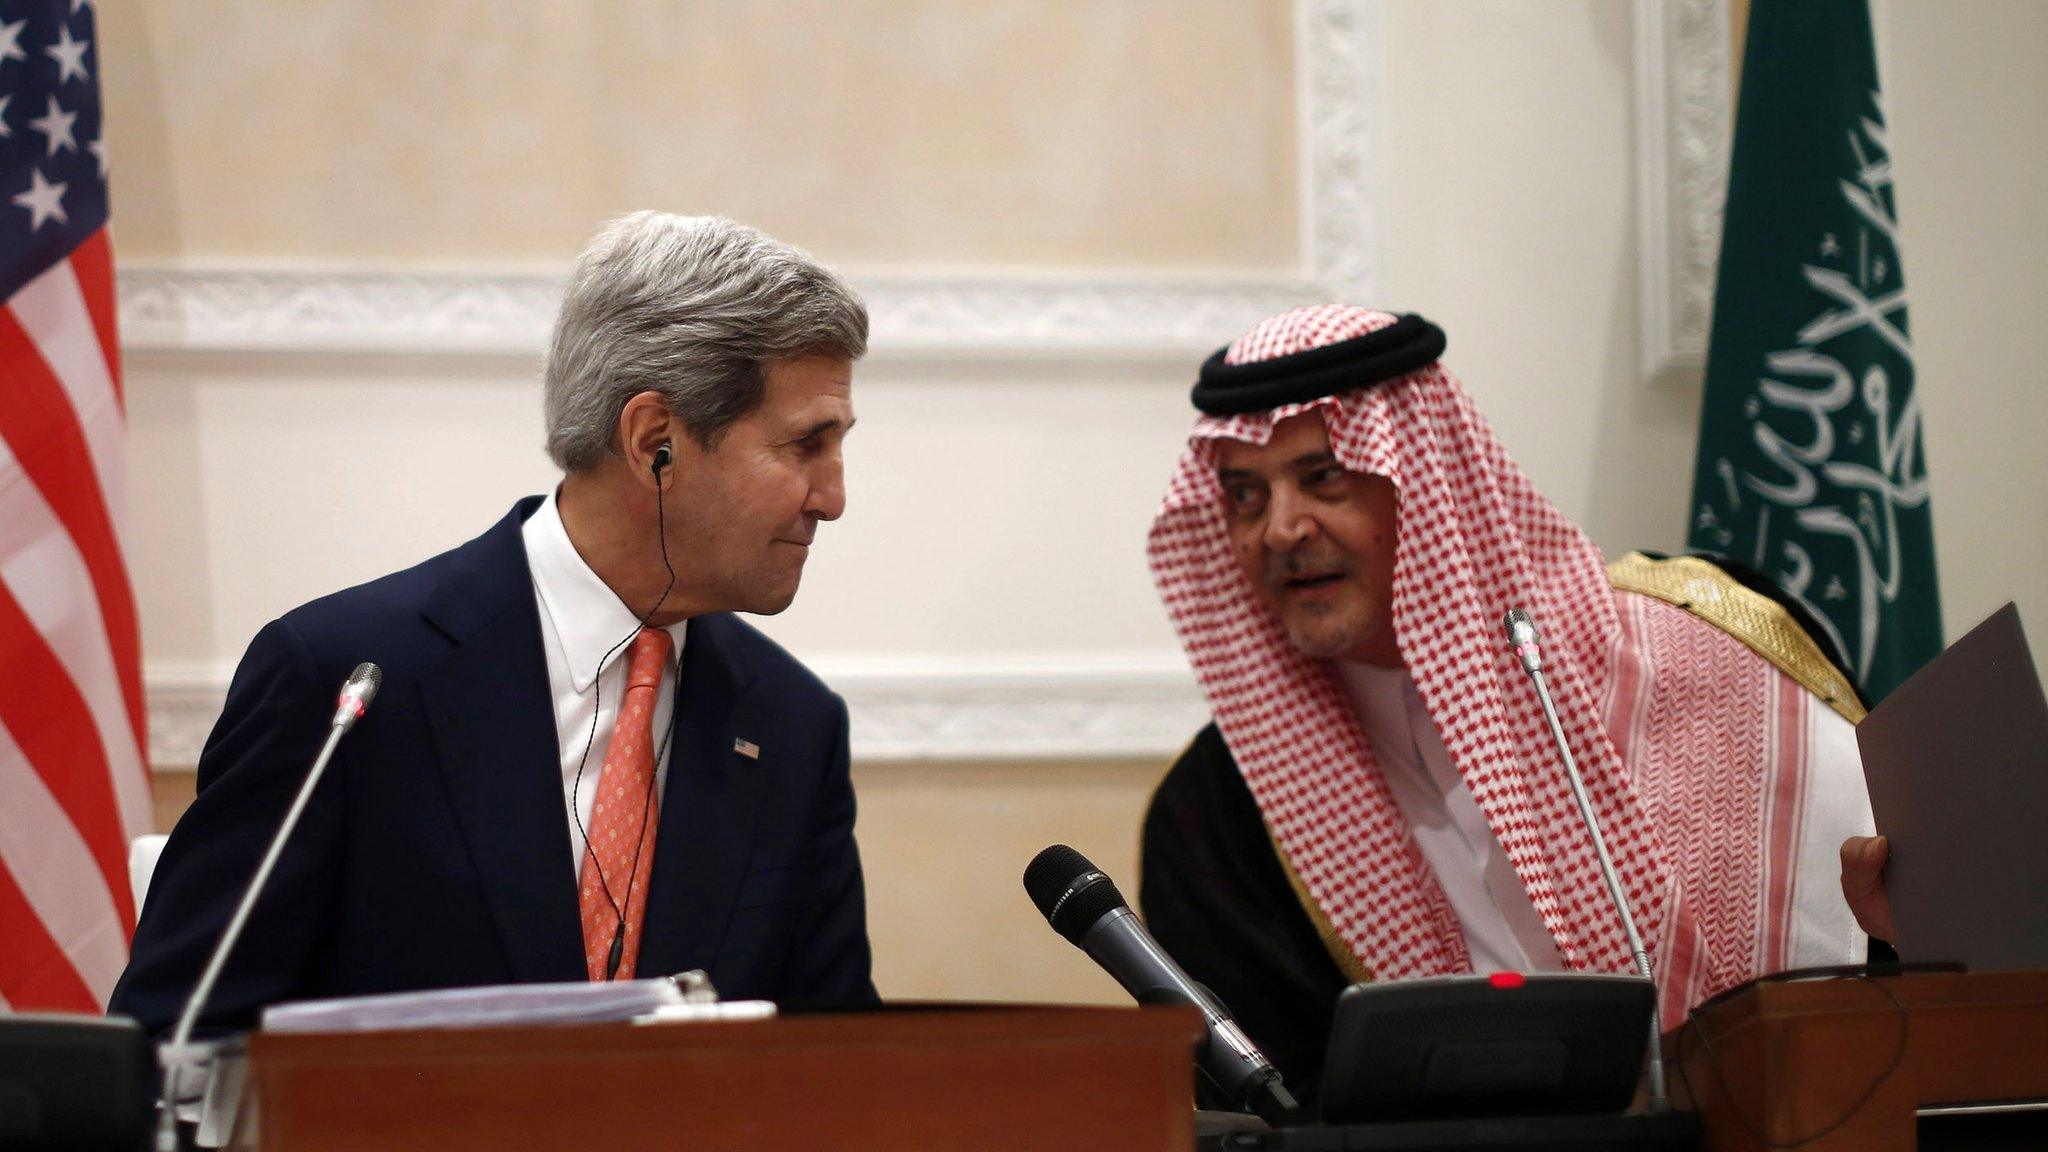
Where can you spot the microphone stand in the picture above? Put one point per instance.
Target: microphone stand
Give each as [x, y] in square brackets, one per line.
[355, 699]
[1521, 629]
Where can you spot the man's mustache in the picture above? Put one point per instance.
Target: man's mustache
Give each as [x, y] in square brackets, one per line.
[1325, 561]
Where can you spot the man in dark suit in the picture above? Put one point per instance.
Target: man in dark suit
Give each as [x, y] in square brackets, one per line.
[580, 765]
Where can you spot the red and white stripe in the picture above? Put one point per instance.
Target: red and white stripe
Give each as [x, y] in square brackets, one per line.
[72, 771]
[1695, 771]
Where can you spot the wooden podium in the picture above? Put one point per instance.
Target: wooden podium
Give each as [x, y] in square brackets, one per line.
[943, 1077]
[1852, 1063]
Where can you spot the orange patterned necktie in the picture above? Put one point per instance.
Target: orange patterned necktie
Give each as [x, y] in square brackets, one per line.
[622, 824]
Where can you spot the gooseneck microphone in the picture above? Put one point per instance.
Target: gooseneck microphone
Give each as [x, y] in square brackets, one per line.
[356, 694]
[1082, 904]
[1522, 638]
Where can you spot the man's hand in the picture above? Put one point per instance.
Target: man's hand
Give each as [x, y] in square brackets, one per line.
[1863, 884]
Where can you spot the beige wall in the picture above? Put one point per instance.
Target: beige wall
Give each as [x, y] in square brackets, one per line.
[999, 500]
[982, 517]
[885, 132]
[1967, 103]
[945, 846]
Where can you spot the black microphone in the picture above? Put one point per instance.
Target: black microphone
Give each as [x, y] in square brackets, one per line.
[356, 694]
[1522, 638]
[1081, 903]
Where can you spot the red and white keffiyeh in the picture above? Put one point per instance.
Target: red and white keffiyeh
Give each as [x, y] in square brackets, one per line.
[1694, 748]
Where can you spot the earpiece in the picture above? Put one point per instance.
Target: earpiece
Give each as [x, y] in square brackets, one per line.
[663, 456]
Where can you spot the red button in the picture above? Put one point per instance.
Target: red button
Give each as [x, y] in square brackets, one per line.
[1506, 980]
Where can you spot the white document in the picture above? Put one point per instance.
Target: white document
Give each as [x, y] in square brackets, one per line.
[498, 1005]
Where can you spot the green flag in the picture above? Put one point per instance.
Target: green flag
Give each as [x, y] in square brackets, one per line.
[1810, 466]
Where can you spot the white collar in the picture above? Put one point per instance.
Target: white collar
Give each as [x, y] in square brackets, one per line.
[589, 618]
[1380, 697]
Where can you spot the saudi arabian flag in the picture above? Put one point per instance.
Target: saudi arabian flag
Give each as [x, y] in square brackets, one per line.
[1810, 467]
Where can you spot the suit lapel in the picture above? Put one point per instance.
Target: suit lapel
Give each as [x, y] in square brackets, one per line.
[710, 810]
[493, 718]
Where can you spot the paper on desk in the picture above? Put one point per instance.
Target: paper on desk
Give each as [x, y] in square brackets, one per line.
[723, 1010]
[487, 1007]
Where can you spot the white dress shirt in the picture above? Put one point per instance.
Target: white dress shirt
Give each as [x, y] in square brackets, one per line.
[581, 619]
[1503, 931]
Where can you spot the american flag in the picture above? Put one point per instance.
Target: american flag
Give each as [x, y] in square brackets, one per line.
[73, 785]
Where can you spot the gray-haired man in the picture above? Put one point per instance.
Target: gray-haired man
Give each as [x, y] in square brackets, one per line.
[580, 765]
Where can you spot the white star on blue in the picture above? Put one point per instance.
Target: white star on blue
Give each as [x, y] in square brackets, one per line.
[53, 188]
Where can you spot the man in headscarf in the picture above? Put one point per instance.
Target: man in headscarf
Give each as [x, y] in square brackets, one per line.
[1379, 796]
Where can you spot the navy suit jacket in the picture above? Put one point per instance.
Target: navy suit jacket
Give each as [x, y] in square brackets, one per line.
[435, 853]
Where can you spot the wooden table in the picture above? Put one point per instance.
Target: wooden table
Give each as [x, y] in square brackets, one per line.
[1851, 1063]
[991, 1077]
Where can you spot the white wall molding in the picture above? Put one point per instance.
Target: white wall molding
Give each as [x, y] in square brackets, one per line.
[178, 308]
[246, 309]
[181, 699]
[1683, 126]
[242, 309]
[1337, 43]
[1090, 706]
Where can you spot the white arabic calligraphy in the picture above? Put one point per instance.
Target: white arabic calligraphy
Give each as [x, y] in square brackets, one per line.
[1795, 431]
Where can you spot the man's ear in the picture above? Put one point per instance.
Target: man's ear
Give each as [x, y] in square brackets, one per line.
[647, 440]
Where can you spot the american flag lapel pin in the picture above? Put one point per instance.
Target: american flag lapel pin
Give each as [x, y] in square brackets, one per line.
[747, 748]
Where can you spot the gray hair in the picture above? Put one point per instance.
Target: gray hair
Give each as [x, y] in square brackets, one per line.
[692, 307]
